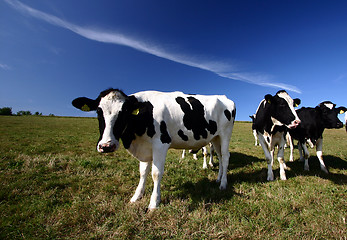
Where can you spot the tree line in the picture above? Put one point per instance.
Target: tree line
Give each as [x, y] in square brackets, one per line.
[8, 112]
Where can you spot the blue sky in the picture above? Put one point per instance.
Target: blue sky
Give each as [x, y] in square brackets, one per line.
[54, 51]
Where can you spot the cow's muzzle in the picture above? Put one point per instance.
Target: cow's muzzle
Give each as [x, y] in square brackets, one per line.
[106, 147]
[294, 124]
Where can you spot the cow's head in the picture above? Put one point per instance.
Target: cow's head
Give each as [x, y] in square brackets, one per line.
[329, 113]
[282, 109]
[110, 107]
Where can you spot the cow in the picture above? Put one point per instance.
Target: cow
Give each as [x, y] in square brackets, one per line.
[273, 117]
[346, 120]
[254, 131]
[313, 123]
[151, 122]
[204, 152]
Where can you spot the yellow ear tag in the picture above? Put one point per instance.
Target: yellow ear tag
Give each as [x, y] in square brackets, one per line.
[85, 108]
[136, 112]
[268, 101]
[341, 111]
[296, 105]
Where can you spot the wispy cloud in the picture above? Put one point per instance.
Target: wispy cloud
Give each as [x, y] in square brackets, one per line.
[220, 68]
[5, 67]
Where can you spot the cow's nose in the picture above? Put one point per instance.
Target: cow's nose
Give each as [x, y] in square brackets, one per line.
[107, 147]
[297, 122]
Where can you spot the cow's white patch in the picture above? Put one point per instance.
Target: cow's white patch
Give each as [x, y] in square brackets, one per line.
[329, 105]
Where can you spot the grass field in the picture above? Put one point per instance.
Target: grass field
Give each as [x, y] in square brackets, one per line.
[54, 185]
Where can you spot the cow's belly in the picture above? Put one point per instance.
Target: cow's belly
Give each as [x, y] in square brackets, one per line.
[192, 144]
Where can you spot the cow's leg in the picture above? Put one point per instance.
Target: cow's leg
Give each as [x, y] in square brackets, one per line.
[144, 170]
[225, 162]
[211, 155]
[280, 158]
[183, 153]
[291, 146]
[268, 157]
[306, 154]
[300, 152]
[159, 155]
[255, 137]
[217, 148]
[319, 152]
[204, 152]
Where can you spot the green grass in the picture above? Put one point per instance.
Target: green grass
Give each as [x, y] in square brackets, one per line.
[54, 185]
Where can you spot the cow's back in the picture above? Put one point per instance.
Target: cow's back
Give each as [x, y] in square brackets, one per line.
[191, 121]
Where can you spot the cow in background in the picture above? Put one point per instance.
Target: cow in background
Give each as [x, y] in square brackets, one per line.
[311, 128]
[274, 116]
[204, 152]
[254, 131]
[151, 122]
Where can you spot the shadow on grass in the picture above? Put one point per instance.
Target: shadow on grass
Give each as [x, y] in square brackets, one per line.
[331, 162]
[207, 191]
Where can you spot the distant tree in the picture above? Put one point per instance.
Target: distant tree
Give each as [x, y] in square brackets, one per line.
[24, 113]
[6, 111]
[38, 114]
[51, 115]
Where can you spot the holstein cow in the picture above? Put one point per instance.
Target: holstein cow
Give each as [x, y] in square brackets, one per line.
[254, 131]
[313, 123]
[204, 152]
[274, 116]
[150, 122]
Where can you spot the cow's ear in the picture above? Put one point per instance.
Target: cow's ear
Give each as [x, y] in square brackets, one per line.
[85, 104]
[297, 102]
[268, 98]
[341, 110]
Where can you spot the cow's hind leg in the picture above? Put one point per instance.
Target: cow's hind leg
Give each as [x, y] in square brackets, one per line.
[204, 152]
[144, 170]
[217, 148]
[306, 154]
[221, 147]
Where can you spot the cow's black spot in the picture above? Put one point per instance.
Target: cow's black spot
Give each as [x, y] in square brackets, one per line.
[136, 124]
[182, 135]
[212, 127]
[102, 124]
[227, 114]
[164, 137]
[194, 117]
[234, 113]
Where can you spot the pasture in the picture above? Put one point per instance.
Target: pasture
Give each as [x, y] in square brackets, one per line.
[55, 185]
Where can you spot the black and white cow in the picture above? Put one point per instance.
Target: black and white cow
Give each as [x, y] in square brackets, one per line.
[151, 122]
[311, 128]
[274, 116]
[254, 131]
[204, 153]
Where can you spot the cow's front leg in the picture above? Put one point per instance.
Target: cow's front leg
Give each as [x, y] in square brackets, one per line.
[319, 152]
[159, 156]
[280, 157]
[268, 157]
[144, 170]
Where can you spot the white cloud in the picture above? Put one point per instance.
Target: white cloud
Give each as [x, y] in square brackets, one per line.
[220, 68]
[5, 67]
